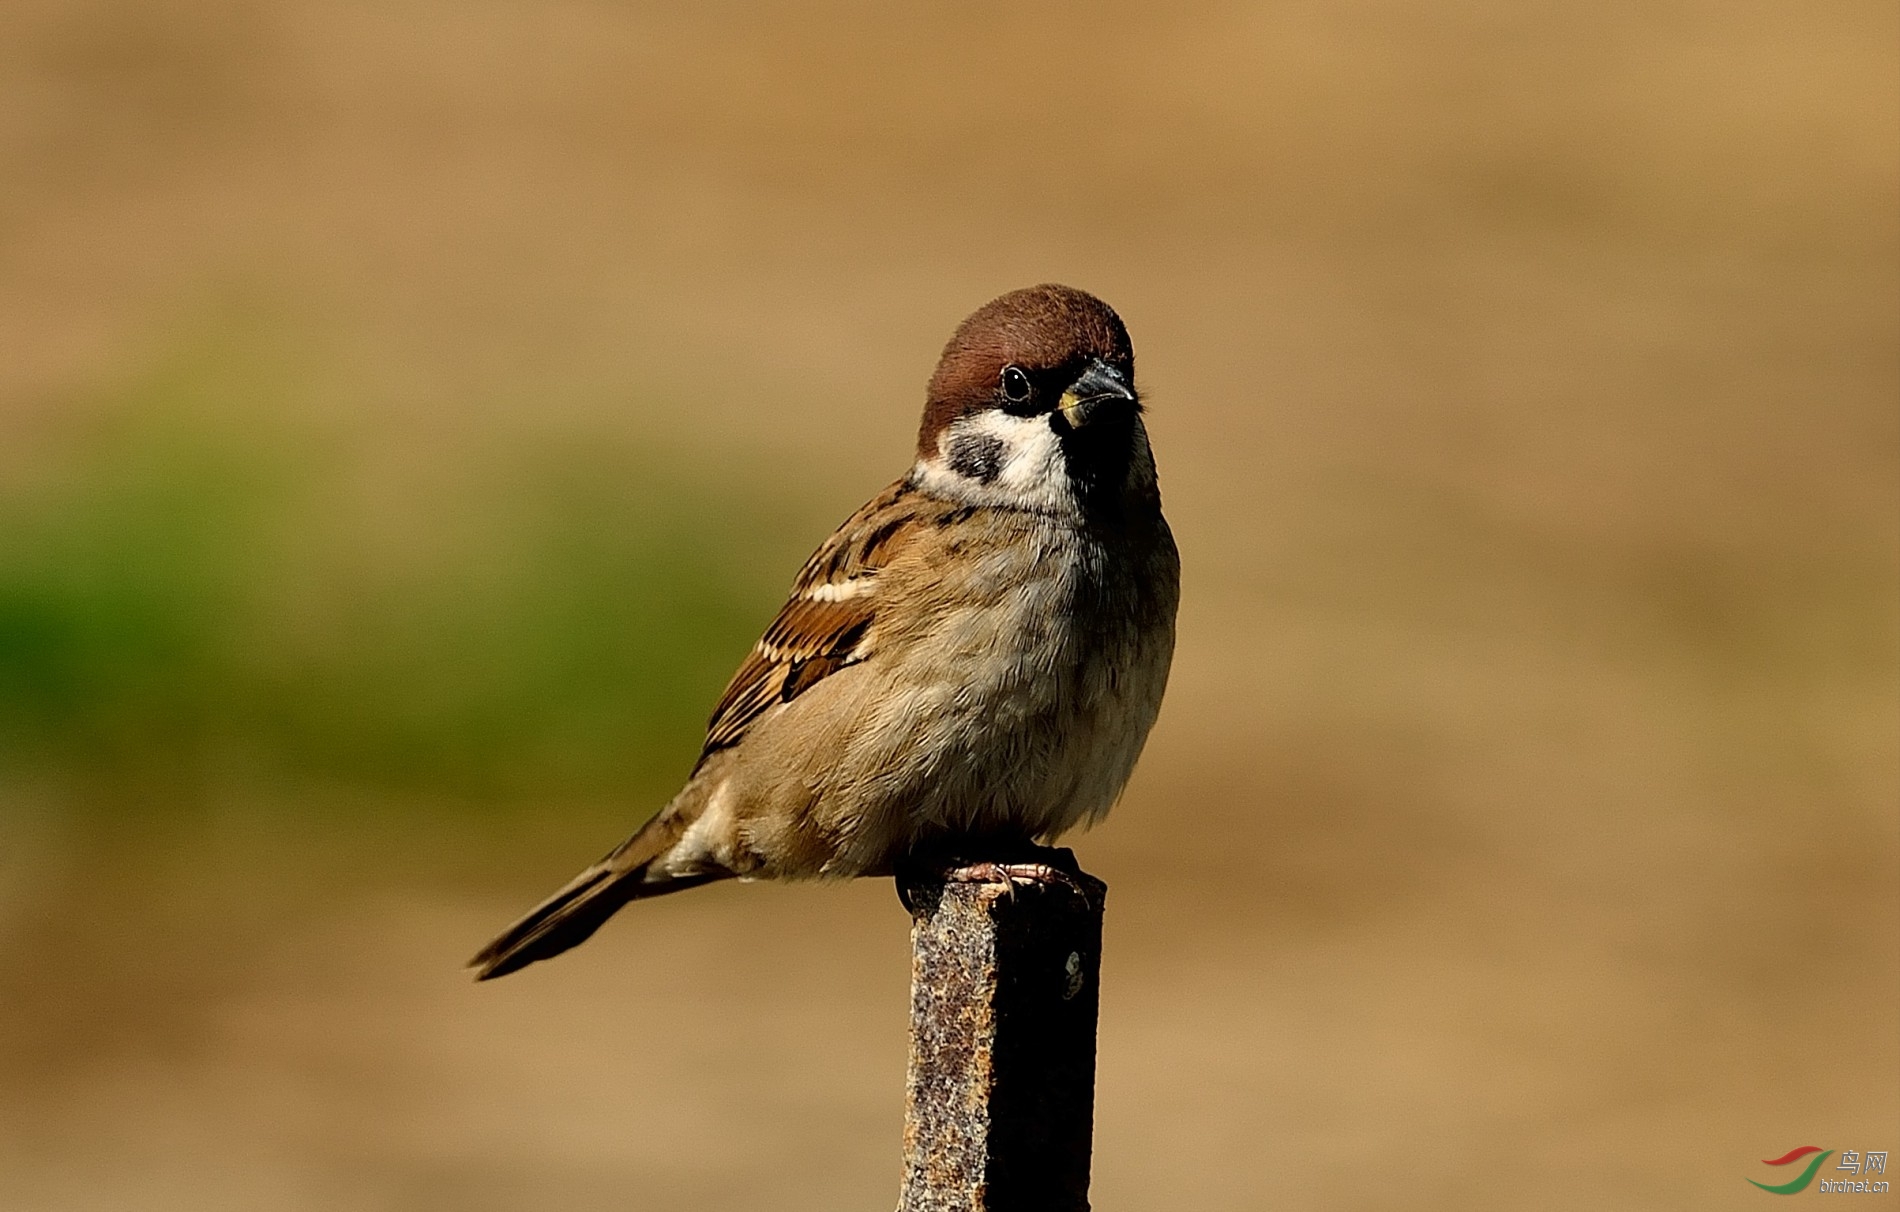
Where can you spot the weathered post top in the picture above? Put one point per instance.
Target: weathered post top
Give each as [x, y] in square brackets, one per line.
[1000, 1106]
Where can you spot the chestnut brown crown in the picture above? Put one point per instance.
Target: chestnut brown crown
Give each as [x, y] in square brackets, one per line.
[1039, 328]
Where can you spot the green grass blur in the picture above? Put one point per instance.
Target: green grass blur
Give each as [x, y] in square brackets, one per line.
[190, 596]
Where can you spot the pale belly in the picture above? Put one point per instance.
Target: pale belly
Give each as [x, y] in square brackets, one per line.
[1025, 720]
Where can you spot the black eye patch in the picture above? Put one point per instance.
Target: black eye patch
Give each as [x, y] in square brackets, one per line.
[978, 457]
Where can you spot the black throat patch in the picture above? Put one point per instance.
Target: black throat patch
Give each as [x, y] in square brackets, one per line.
[1097, 457]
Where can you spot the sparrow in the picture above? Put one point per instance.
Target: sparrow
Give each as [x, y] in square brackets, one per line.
[968, 666]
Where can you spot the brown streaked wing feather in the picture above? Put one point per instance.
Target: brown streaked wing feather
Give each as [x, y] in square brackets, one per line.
[814, 636]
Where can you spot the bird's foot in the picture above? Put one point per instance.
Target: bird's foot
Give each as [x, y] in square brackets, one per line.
[921, 878]
[1017, 875]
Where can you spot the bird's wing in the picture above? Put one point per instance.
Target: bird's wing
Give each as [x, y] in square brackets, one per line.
[828, 623]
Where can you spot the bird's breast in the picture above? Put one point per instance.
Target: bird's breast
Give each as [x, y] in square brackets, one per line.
[1031, 681]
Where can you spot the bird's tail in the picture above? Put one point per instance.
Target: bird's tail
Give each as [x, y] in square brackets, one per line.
[571, 915]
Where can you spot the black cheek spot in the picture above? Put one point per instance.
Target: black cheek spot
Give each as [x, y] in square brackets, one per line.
[979, 458]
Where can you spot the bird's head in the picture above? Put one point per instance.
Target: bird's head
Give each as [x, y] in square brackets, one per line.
[1034, 406]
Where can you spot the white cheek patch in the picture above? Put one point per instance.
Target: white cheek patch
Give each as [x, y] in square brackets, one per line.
[993, 458]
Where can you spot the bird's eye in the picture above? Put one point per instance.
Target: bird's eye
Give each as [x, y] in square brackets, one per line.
[1016, 386]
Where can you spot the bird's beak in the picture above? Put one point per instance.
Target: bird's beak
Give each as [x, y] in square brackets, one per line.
[1100, 390]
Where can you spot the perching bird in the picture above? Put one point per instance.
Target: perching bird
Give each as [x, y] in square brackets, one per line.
[970, 664]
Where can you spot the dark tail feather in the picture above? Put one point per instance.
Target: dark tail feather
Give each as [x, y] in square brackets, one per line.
[562, 921]
[570, 916]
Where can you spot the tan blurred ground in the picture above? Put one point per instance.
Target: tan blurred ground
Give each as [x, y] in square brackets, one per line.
[1523, 828]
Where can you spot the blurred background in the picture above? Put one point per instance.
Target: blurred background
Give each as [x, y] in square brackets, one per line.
[411, 412]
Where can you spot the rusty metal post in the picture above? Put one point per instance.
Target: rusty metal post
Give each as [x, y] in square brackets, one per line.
[1000, 1108]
